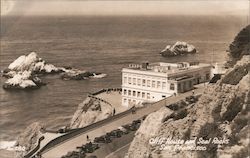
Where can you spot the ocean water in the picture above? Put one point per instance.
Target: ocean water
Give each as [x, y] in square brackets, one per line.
[101, 44]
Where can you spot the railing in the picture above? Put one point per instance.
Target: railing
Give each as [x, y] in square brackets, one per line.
[75, 132]
[96, 98]
[106, 90]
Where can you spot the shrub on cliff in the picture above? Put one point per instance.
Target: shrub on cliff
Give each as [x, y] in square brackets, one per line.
[209, 130]
[234, 76]
[240, 46]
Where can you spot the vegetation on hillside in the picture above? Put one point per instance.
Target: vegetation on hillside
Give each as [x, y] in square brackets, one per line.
[240, 46]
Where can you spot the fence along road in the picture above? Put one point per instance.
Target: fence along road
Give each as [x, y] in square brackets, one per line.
[70, 144]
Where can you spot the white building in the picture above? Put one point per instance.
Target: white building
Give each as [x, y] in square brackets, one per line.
[153, 82]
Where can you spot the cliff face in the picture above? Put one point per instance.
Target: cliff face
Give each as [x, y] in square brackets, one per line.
[240, 46]
[149, 128]
[29, 138]
[222, 111]
[89, 111]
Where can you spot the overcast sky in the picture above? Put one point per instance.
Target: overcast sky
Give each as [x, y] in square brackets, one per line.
[123, 7]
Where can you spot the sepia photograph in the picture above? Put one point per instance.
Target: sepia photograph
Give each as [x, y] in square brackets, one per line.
[125, 79]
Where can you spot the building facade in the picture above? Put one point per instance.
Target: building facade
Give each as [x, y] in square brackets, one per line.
[153, 82]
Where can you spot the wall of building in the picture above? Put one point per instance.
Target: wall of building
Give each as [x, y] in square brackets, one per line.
[139, 87]
[132, 96]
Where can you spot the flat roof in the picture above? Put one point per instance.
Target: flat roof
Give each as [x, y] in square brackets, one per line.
[167, 68]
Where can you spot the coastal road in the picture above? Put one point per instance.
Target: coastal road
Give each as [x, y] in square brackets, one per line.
[70, 145]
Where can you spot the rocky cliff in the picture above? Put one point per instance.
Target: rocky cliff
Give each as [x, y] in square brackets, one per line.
[89, 111]
[240, 46]
[28, 139]
[220, 116]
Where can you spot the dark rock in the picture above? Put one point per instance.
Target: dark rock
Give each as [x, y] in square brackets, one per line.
[76, 75]
[16, 87]
[38, 81]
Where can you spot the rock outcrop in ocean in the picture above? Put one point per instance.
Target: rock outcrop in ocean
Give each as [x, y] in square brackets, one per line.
[179, 48]
[221, 112]
[23, 72]
[89, 111]
[75, 74]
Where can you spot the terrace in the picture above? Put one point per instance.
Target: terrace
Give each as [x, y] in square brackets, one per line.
[113, 97]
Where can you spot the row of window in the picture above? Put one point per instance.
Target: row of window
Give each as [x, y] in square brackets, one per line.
[137, 94]
[130, 101]
[144, 82]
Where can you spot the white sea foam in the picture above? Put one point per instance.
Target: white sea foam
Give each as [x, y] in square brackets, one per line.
[11, 146]
[7, 144]
[99, 76]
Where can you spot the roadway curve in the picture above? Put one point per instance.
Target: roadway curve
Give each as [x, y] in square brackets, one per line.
[61, 149]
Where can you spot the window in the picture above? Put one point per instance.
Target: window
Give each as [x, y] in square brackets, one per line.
[129, 80]
[134, 81]
[125, 80]
[148, 83]
[139, 82]
[148, 95]
[143, 82]
[125, 92]
[171, 86]
[129, 92]
[153, 84]
[129, 101]
[164, 86]
[125, 100]
[158, 84]
[143, 94]
[134, 94]
[138, 94]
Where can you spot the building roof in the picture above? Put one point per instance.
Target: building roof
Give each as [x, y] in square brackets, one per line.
[167, 68]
